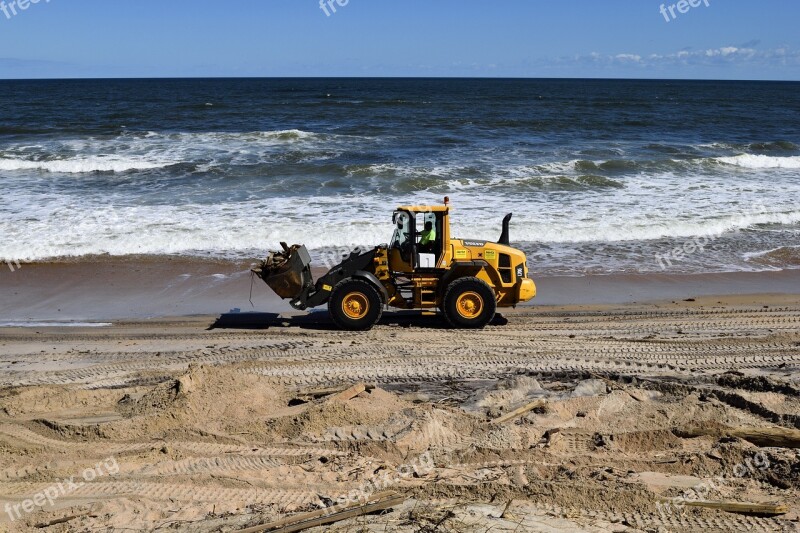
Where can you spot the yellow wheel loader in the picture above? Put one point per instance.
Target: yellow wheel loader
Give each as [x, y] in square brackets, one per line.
[423, 267]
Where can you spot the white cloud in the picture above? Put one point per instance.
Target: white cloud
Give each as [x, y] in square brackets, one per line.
[635, 58]
[731, 55]
[726, 51]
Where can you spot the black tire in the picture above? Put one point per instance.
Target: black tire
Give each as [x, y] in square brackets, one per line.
[469, 303]
[355, 305]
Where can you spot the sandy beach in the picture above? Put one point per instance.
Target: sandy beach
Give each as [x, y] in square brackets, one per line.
[229, 419]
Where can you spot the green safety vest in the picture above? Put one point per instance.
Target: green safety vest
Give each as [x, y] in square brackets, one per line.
[428, 236]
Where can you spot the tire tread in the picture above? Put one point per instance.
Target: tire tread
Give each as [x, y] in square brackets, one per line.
[455, 288]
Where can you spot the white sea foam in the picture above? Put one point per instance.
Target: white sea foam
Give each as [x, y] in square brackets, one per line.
[151, 150]
[57, 228]
[749, 256]
[81, 165]
[552, 201]
[761, 161]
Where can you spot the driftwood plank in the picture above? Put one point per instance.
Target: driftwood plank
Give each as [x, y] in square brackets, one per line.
[766, 437]
[350, 393]
[519, 411]
[326, 391]
[62, 520]
[321, 517]
[740, 507]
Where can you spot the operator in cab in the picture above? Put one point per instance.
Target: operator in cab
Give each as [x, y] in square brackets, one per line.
[428, 237]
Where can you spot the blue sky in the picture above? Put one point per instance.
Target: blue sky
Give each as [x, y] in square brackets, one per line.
[728, 39]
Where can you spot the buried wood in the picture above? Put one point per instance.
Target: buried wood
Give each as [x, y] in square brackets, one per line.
[62, 520]
[505, 509]
[321, 517]
[519, 411]
[766, 437]
[769, 509]
[319, 393]
[349, 394]
[328, 391]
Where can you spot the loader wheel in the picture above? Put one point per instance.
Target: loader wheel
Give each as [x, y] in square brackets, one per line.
[469, 303]
[355, 305]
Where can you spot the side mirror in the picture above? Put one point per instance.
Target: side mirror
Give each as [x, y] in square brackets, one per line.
[394, 218]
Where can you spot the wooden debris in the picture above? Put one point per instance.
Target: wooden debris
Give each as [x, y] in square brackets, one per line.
[282, 271]
[326, 391]
[319, 393]
[771, 509]
[505, 509]
[765, 437]
[637, 395]
[321, 517]
[62, 520]
[519, 411]
[350, 393]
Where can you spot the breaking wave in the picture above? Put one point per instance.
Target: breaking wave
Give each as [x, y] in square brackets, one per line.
[761, 161]
[80, 166]
[781, 257]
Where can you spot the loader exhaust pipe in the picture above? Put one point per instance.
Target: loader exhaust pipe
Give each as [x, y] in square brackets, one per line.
[504, 235]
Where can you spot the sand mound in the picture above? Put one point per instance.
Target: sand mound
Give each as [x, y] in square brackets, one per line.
[373, 414]
[211, 399]
[508, 394]
[438, 429]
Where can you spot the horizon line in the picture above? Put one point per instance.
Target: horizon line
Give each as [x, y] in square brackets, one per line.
[576, 78]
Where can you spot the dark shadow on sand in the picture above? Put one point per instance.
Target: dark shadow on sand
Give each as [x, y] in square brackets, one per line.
[320, 320]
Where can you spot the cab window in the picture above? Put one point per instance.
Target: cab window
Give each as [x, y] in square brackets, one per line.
[402, 229]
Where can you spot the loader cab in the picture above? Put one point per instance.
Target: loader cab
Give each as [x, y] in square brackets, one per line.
[410, 250]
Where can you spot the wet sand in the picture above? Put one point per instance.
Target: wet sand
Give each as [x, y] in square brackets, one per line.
[148, 287]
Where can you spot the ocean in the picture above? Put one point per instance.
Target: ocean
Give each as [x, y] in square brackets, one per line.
[603, 176]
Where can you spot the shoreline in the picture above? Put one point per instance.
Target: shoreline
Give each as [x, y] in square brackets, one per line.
[137, 287]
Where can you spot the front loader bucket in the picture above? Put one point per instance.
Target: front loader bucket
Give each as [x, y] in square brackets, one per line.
[288, 273]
